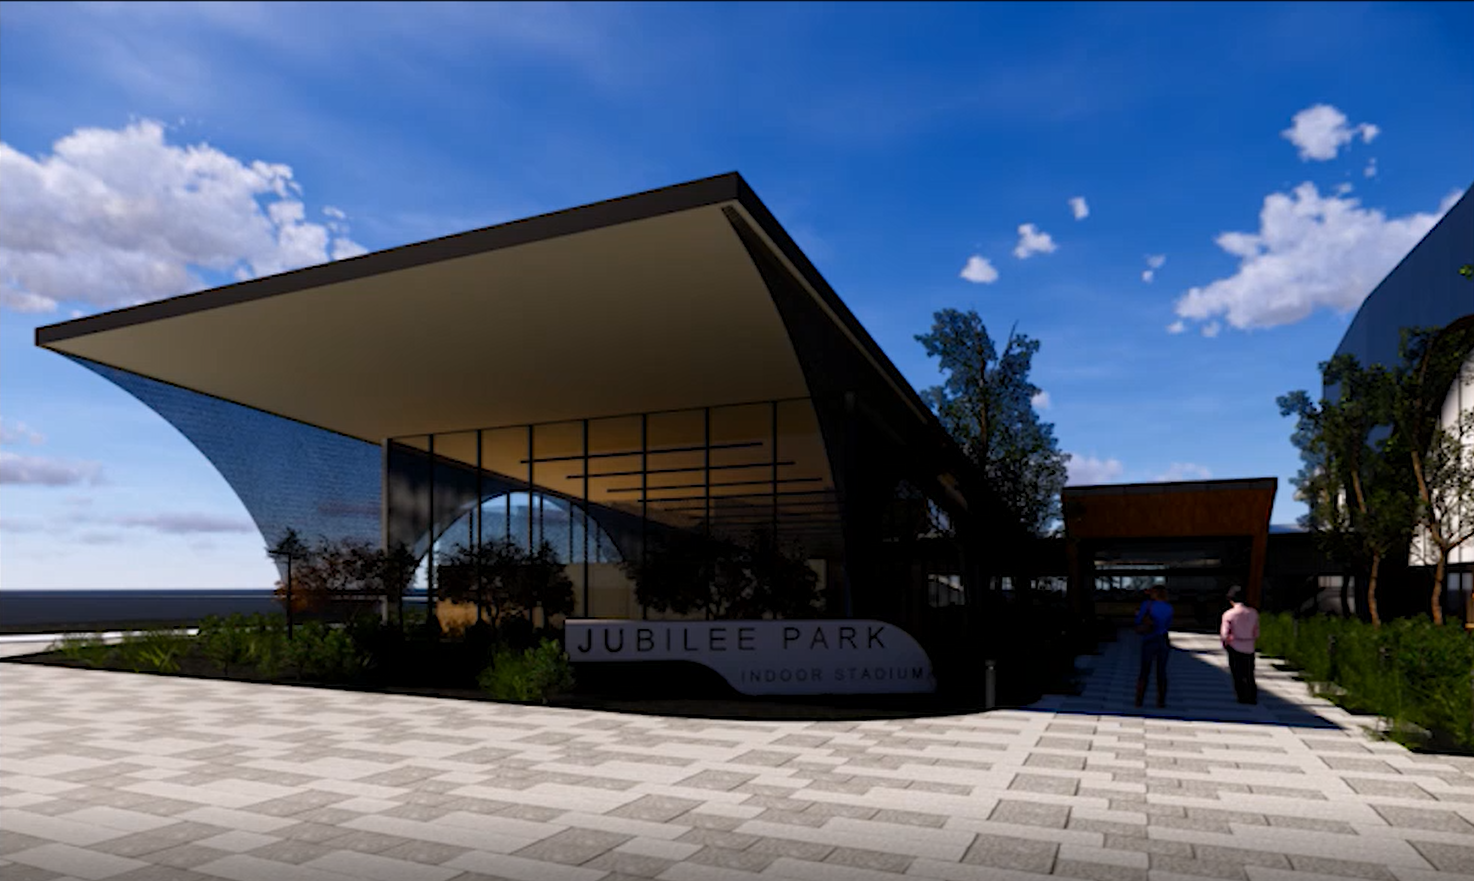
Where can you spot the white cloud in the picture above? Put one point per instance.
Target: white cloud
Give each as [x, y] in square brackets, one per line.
[1310, 252]
[979, 270]
[1176, 327]
[335, 213]
[1032, 241]
[1320, 131]
[1343, 188]
[183, 524]
[42, 471]
[1184, 471]
[1041, 401]
[114, 217]
[1153, 263]
[15, 432]
[1371, 169]
[1087, 470]
[1080, 209]
[1211, 329]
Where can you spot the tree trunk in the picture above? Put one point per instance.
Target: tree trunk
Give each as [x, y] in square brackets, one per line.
[1435, 535]
[1372, 590]
[1438, 575]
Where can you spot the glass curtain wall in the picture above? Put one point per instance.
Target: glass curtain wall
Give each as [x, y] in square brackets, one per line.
[606, 493]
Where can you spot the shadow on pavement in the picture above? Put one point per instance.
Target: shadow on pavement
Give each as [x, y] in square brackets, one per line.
[1199, 688]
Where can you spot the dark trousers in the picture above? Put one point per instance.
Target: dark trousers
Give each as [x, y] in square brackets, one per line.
[1241, 665]
[1154, 650]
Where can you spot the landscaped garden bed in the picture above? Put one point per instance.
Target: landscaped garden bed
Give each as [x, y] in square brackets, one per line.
[1417, 676]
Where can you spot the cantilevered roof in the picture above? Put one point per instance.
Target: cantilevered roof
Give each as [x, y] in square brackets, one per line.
[647, 302]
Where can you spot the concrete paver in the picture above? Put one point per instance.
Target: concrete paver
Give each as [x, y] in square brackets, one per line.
[118, 776]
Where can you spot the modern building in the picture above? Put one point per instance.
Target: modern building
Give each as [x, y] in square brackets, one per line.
[1426, 290]
[602, 379]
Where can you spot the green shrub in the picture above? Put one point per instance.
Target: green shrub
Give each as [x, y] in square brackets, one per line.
[156, 651]
[317, 651]
[89, 648]
[225, 642]
[1409, 671]
[530, 676]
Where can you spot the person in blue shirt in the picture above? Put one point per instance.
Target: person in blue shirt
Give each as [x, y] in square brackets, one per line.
[1153, 621]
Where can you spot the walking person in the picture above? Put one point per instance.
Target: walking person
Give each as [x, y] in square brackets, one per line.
[1153, 621]
[1238, 630]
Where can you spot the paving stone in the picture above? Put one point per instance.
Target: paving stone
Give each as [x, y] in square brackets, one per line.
[1312, 823]
[1098, 871]
[1030, 813]
[655, 808]
[799, 850]
[1345, 868]
[1183, 866]
[1044, 783]
[1149, 845]
[873, 860]
[1422, 818]
[1455, 858]
[1007, 852]
[1217, 854]
[186, 856]
[746, 860]
[910, 818]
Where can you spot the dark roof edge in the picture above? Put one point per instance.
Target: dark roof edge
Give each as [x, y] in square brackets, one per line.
[611, 212]
[1241, 483]
[795, 255]
[1366, 301]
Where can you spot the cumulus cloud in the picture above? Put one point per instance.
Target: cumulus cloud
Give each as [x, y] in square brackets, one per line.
[1153, 263]
[1371, 169]
[1311, 251]
[1032, 241]
[1343, 188]
[1176, 327]
[979, 270]
[1211, 329]
[1184, 471]
[1319, 132]
[1041, 401]
[1080, 209]
[1087, 470]
[186, 524]
[43, 471]
[14, 432]
[115, 217]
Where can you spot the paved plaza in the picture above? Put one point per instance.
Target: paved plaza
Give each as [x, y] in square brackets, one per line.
[113, 775]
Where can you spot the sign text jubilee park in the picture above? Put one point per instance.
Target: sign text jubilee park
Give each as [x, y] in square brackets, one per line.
[848, 656]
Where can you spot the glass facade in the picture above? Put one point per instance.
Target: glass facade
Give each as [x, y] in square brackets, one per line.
[288, 474]
[604, 491]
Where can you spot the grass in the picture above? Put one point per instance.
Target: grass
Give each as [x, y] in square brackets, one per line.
[1412, 673]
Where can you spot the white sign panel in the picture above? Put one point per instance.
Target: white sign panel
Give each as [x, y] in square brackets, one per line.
[846, 656]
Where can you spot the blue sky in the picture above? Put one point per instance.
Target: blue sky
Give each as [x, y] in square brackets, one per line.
[896, 142]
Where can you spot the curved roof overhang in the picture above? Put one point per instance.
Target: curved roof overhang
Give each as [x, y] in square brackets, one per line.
[648, 302]
[1423, 290]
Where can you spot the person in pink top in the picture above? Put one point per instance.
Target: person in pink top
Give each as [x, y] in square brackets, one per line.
[1238, 630]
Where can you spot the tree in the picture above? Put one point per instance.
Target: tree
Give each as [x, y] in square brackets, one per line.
[986, 404]
[506, 580]
[290, 549]
[1442, 459]
[1360, 500]
[685, 572]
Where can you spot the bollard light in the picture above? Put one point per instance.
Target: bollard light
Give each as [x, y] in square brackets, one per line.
[990, 693]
